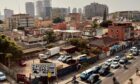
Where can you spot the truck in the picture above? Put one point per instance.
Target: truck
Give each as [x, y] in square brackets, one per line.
[50, 52]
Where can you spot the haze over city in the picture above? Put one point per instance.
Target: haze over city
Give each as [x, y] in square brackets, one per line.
[112, 4]
[69, 41]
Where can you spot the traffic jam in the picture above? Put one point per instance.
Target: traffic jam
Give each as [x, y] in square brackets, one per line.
[99, 72]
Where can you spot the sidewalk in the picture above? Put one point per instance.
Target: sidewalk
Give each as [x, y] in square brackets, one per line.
[136, 79]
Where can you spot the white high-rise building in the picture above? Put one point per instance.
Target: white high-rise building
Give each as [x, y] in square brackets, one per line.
[30, 9]
[8, 13]
[39, 8]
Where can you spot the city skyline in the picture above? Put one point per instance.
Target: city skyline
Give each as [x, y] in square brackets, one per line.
[19, 5]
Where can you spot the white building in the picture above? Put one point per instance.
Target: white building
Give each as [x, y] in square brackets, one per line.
[39, 8]
[8, 13]
[20, 20]
[30, 9]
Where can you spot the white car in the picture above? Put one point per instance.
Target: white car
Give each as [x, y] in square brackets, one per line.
[42, 56]
[2, 76]
[114, 65]
[109, 60]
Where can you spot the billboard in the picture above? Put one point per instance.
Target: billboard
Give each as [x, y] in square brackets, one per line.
[44, 69]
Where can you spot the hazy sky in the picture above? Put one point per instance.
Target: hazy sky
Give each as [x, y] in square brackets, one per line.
[114, 5]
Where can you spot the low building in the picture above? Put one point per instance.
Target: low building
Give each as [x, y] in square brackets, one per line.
[60, 26]
[104, 43]
[121, 31]
[101, 31]
[73, 17]
[31, 40]
[43, 23]
[20, 21]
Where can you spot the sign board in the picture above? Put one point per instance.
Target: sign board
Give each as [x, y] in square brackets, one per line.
[44, 69]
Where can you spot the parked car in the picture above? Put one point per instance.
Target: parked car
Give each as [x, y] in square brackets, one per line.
[117, 58]
[70, 61]
[61, 57]
[108, 62]
[123, 60]
[114, 65]
[135, 53]
[2, 76]
[67, 57]
[104, 70]
[83, 59]
[129, 56]
[42, 56]
[96, 69]
[93, 78]
[85, 74]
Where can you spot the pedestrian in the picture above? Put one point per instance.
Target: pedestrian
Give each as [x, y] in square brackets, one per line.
[130, 81]
[114, 80]
[124, 66]
[74, 79]
[137, 71]
[79, 66]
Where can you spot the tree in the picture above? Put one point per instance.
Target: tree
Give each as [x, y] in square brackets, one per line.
[105, 15]
[95, 24]
[50, 36]
[10, 48]
[106, 23]
[78, 42]
[95, 50]
[58, 20]
[1, 22]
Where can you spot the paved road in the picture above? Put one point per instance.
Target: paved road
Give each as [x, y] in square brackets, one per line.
[123, 75]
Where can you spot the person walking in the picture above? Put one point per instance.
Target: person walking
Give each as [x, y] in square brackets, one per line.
[78, 66]
[114, 80]
[130, 81]
[137, 71]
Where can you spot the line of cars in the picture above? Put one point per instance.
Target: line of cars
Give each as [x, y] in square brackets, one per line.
[93, 74]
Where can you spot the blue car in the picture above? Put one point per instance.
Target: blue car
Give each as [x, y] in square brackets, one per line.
[85, 74]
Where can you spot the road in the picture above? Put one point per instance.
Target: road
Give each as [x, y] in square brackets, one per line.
[121, 74]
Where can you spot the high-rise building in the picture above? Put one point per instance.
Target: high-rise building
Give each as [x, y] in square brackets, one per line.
[59, 12]
[68, 11]
[8, 13]
[80, 10]
[95, 9]
[74, 10]
[47, 8]
[30, 9]
[39, 8]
